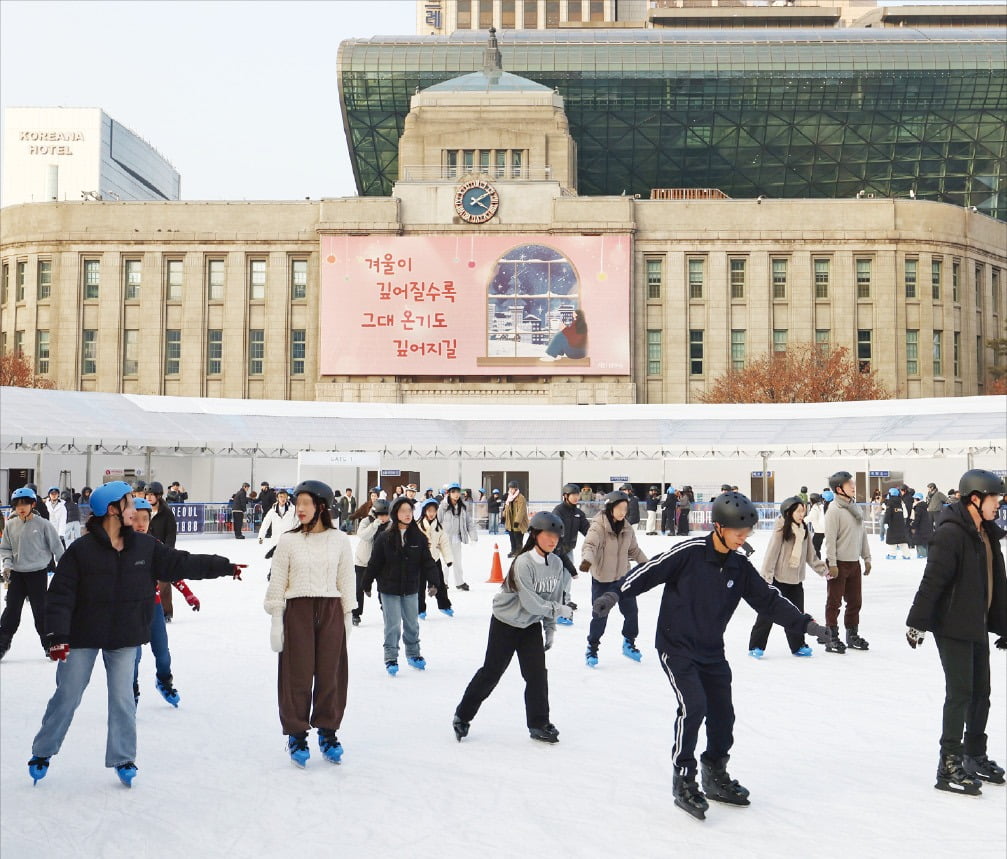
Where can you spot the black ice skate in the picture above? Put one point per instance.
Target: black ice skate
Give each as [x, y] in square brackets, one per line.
[854, 641]
[951, 776]
[982, 768]
[689, 797]
[719, 786]
[461, 728]
[546, 734]
[833, 644]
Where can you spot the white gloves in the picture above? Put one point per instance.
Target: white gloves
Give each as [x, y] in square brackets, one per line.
[276, 634]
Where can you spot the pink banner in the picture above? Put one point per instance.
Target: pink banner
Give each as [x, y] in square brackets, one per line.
[475, 305]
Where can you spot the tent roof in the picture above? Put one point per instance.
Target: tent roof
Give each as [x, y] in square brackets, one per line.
[123, 423]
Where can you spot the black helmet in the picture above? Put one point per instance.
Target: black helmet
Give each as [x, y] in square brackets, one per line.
[804, 489]
[734, 510]
[725, 487]
[983, 482]
[513, 484]
[317, 489]
[570, 489]
[838, 479]
[380, 507]
[543, 521]
[614, 498]
[790, 503]
[815, 497]
[653, 489]
[155, 488]
[139, 486]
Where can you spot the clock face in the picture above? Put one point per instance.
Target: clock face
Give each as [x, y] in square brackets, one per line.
[476, 201]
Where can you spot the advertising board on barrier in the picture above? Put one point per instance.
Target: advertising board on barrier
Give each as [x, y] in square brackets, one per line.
[188, 518]
[475, 305]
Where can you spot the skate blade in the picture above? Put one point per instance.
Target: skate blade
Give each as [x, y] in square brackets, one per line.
[694, 813]
[951, 788]
[737, 803]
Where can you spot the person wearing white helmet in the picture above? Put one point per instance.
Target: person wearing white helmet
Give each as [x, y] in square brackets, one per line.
[57, 512]
[455, 516]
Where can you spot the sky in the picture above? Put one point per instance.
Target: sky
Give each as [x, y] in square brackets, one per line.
[240, 97]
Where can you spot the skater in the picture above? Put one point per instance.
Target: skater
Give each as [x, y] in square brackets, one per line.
[515, 517]
[790, 551]
[455, 515]
[704, 579]
[845, 545]
[493, 504]
[575, 523]
[609, 547]
[370, 525]
[73, 526]
[816, 519]
[961, 599]
[279, 519]
[399, 561]
[921, 526]
[894, 523]
[633, 516]
[530, 599]
[440, 551]
[685, 500]
[669, 512]
[101, 600]
[28, 546]
[57, 512]
[308, 599]
[653, 502]
[163, 527]
[239, 504]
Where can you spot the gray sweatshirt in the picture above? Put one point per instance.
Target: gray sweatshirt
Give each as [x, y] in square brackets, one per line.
[845, 535]
[29, 546]
[541, 585]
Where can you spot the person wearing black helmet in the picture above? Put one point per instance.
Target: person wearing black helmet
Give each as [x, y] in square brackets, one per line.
[686, 498]
[529, 600]
[669, 512]
[653, 503]
[845, 544]
[962, 599]
[163, 527]
[633, 516]
[574, 524]
[704, 579]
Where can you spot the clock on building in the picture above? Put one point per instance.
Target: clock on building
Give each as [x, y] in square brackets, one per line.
[476, 201]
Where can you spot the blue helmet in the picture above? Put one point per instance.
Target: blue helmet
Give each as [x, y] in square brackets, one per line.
[893, 493]
[428, 503]
[52, 489]
[142, 504]
[108, 494]
[23, 492]
[918, 496]
[828, 495]
[457, 486]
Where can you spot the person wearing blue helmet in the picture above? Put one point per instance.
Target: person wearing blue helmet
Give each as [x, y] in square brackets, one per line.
[895, 525]
[27, 548]
[101, 600]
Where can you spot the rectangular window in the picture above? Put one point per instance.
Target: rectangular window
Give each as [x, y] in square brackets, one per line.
[484, 161]
[485, 15]
[516, 160]
[956, 352]
[980, 362]
[912, 352]
[779, 339]
[655, 274]
[92, 278]
[44, 279]
[911, 266]
[174, 279]
[42, 352]
[89, 351]
[863, 278]
[500, 160]
[214, 351]
[256, 351]
[936, 275]
[298, 343]
[298, 279]
[822, 278]
[995, 288]
[4, 283]
[19, 342]
[980, 283]
[695, 352]
[531, 14]
[597, 10]
[551, 14]
[19, 280]
[779, 278]
[451, 163]
[172, 351]
[132, 273]
[467, 160]
[130, 352]
[464, 14]
[507, 15]
[864, 338]
[256, 279]
[654, 352]
[737, 278]
[738, 349]
[823, 339]
[696, 277]
[956, 280]
[573, 10]
[938, 353]
[215, 280]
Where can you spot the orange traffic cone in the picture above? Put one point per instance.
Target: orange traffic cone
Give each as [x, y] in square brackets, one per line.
[496, 571]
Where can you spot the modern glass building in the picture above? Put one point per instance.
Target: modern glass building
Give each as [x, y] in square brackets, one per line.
[781, 113]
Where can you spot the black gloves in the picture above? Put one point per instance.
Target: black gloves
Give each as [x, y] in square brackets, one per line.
[1001, 643]
[604, 604]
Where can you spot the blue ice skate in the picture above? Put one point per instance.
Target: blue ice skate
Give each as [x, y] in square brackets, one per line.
[803, 650]
[564, 621]
[450, 612]
[126, 773]
[37, 768]
[757, 653]
[591, 656]
[168, 692]
[417, 662]
[630, 650]
[330, 746]
[297, 747]
[392, 668]
[422, 615]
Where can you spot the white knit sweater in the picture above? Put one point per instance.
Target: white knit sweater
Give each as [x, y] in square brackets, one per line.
[311, 565]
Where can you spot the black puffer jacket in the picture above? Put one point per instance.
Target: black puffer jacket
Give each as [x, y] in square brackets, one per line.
[103, 598]
[952, 597]
[396, 564]
[895, 519]
[163, 526]
[574, 522]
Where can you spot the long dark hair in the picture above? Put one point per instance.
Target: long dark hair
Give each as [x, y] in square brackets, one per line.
[529, 545]
[788, 523]
[579, 321]
[455, 508]
[321, 515]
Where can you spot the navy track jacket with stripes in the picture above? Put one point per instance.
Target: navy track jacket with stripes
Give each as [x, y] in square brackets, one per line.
[701, 592]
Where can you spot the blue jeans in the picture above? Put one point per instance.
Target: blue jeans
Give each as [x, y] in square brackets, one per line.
[494, 523]
[559, 345]
[72, 678]
[401, 613]
[158, 646]
[627, 605]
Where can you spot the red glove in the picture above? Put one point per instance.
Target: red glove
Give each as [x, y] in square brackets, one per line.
[59, 652]
[236, 570]
[193, 600]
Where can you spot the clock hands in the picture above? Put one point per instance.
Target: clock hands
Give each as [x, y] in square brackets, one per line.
[479, 200]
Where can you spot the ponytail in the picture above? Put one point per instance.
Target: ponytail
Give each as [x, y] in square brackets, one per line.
[529, 545]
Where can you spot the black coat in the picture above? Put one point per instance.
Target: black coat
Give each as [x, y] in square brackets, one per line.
[396, 565]
[921, 526]
[239, 501]
[574, 523]
[266, 499]
[952, 597]
[633, 514]
[895, 519]
[100, 597]
[163, 526]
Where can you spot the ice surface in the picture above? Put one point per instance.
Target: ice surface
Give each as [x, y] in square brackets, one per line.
[839, 752]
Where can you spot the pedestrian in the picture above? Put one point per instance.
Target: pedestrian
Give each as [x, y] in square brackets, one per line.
[441, 552]
[57, 512]
[308, 600]
[163, 527]
[529, 600]
[400, 560]
[73, 526]
[515, 517]
[896, 528]
[455, 515]
[877, 510]
[139, 488]
[961, 599]
[845, 545]
[789, 552]
[936, 500]
[921, 526]
[609, 547]
[704, 579]
[669, 512]
[493, 504]
[653, 504]
[40, 505]
[267, 497]
[686, 498]
[101, 600]
[370, 525]
[279, 519]
[239, 504]
[28, 546]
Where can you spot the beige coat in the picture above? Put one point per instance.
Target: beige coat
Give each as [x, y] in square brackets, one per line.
[776, 561]
[516, 515]
[440, 542]
[610, 554]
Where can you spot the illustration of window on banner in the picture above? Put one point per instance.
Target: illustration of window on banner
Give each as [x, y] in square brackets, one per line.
[475, 305]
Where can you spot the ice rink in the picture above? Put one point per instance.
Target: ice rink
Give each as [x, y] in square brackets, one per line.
[839, 752]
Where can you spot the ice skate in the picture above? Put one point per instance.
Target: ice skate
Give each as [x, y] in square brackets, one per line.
[803, 650]
[718, 784]
[630, 650]
[834, 645]
[982, 768]
[37, 768]
[756, 653]
[392, 668]
[330, 746]
[591, 656]
[546, 734]
[417, 662]
[854, 641]
[952, 777]
[126, 773]
[168, 692]
[689, 797]
[461, 728]
[297, 747]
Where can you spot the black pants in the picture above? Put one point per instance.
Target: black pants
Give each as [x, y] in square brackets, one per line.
[627, 605]
[437, 580]
[361, 572]
[816, 542]
[504, 641]
[669, 516]
[703, 691]
[516, 540]
[31, 586]
[966, 694]
[683, 523]
[764, 623]
[237, 523]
